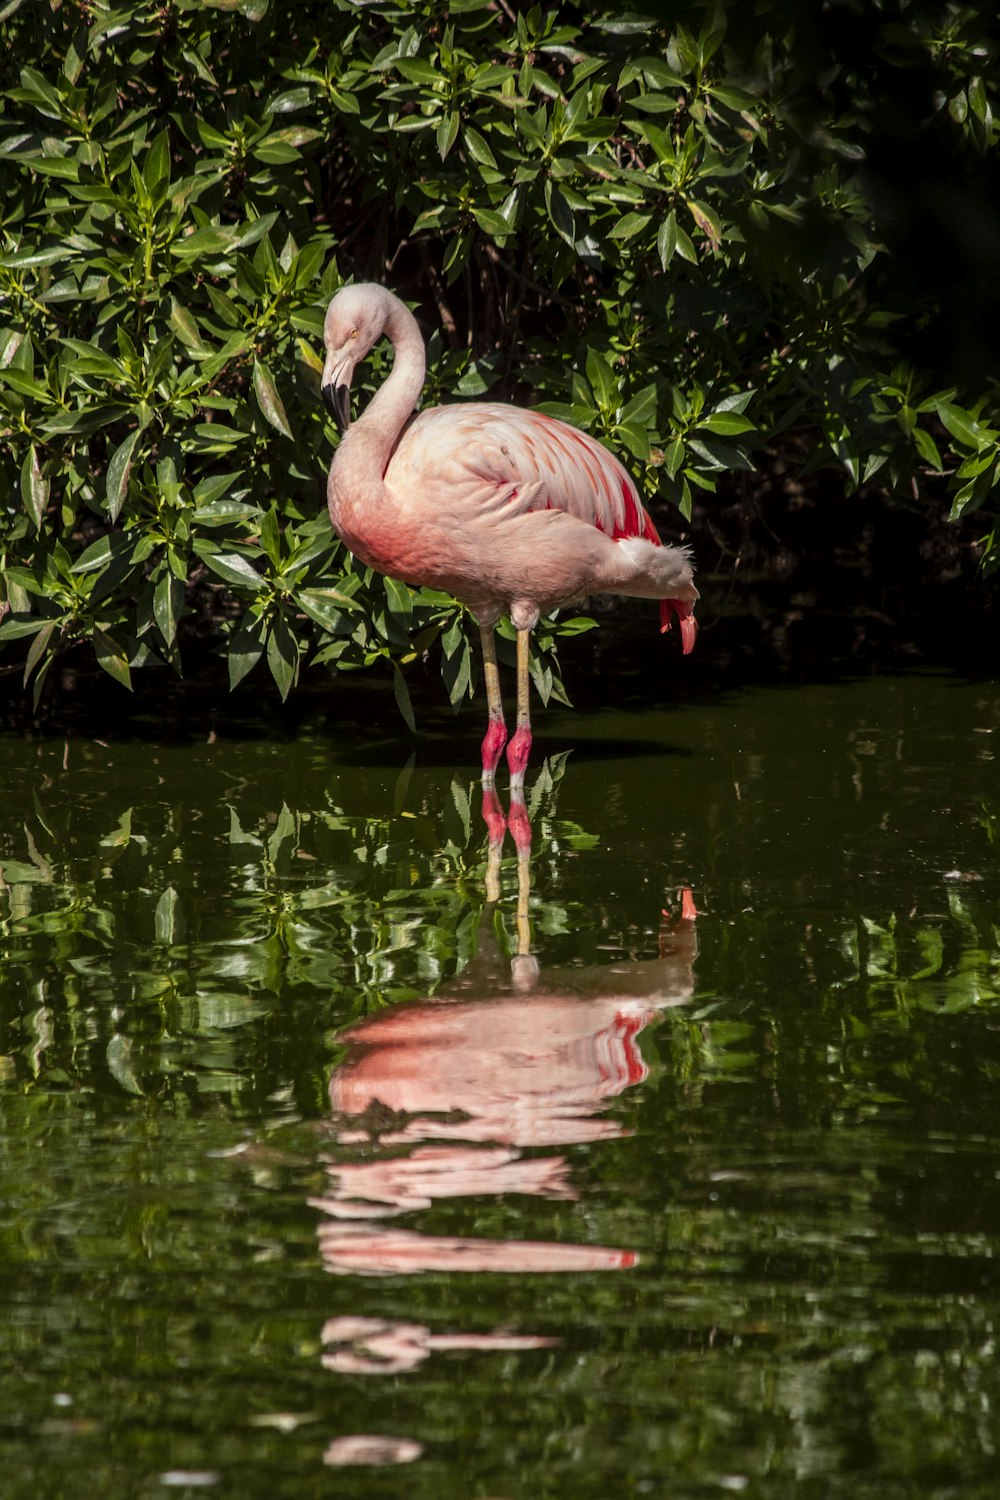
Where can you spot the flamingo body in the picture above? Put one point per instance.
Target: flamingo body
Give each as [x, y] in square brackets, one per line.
[511, 511]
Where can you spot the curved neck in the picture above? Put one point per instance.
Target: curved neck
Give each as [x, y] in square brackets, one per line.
[395, 401]
[368, 443]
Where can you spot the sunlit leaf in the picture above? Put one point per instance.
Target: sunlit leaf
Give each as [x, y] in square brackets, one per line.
[268, 399]
[234, 568]
[34, 487]
[168, 602]
[119, 472]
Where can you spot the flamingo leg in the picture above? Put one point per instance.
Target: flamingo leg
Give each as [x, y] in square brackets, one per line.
[496, 731]
[523, 964]
[496, 824]
[520, 746]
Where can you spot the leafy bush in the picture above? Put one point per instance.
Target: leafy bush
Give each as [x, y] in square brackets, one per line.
[637, 219]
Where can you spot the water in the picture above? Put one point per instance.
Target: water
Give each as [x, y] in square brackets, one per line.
[324, 1175]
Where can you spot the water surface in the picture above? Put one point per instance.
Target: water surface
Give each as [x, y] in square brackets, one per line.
[316, 1160]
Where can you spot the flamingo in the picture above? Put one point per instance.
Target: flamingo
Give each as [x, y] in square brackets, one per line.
[510, 511]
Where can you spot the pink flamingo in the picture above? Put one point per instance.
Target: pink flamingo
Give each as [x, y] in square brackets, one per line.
[510, 511]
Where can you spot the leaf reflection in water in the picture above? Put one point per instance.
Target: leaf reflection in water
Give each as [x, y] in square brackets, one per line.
[452, 1091]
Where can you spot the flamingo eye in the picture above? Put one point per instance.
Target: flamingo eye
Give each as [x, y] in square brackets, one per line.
[353, 333]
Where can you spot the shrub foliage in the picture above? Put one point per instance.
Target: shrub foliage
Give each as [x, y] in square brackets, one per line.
[677, 230]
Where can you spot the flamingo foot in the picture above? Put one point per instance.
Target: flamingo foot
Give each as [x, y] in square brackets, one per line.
[518, 752]
[493, 742]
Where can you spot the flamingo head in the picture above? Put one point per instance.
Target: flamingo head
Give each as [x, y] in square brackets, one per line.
[355, 320]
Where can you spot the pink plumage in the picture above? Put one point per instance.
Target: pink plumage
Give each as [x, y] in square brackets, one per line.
[511, 511]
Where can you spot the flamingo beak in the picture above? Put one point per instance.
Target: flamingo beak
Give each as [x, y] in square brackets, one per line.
[336, 391]
[338, 402]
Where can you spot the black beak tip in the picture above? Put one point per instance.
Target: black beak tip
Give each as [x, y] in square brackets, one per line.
[337, 399]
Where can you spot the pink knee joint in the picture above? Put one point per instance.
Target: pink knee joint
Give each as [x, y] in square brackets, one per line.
[493, 742]
[517, 754]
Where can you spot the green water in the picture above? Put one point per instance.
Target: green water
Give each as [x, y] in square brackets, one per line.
[321, 1175]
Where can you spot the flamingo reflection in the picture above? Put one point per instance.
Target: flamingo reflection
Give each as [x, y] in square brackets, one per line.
[445, 1096]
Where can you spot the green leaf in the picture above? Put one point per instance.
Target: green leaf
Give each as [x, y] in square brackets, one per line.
[492, 222]
[325, 606]
[666, 239]
[738, 401]
[456, 254]
[726, 423]
[97, 556]
[578, 625]
[927, 448]
[958, 107]
[960, 424]
[112, 657]
[415, 70]
[205, 243]
[402, 695]
[636, 439]
[234, 568]
[978, 100]
[685, 247]
[457, 672]
[18, 381]
[186, 328]
[673, 458]
[119, 473]
[38, 649]
[270, 535]
[56, 166]
[210, 490]
[642, 407]
[602, 380]
[13, 628]
[478, 148]
[629, 225]
[168, 602]
[399, 597]
[24, 260]
[282, 656]
[707, 220]
[36, 89]
[276, 152]
[34, 488]
[447, 133]
[972, 495]
[268, 399]
[92, 361]
[289, 100]
[24, 578]
[560, 212]
[246, 647]
[725, 456]
[156, 167]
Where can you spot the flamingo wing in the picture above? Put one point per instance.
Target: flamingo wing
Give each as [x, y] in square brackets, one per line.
[511, 457]
[509, 460]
